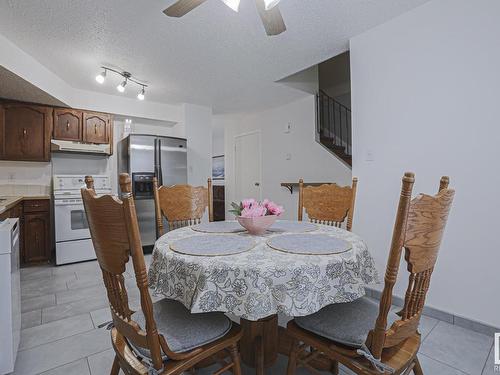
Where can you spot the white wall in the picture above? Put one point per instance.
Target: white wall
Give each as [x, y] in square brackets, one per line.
[425, 96]
[309, 160]
[217, 138]
[198, 127]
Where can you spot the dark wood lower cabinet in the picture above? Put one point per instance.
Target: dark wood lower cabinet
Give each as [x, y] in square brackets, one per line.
[36, 230]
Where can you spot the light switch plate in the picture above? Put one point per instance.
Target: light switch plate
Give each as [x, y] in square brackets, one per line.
[369, 155]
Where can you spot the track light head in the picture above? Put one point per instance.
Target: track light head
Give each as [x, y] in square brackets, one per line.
[101, 77]
[141, 95]
[121, 86]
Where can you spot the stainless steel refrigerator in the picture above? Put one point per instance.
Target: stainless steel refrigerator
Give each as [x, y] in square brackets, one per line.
[144, 157]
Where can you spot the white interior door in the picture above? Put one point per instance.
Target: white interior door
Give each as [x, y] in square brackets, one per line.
[247, 166]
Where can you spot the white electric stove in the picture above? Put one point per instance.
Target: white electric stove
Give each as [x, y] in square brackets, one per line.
[73, 243]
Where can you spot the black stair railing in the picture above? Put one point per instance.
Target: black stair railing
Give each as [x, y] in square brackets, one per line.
[334, 126]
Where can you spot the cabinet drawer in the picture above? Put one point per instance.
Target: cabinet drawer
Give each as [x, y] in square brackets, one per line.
[41, 205]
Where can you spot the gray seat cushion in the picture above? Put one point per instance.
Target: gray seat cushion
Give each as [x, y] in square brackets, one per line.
[183, 330]
[345, 323]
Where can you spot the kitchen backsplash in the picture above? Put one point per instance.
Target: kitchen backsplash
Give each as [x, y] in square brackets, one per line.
[16, 174]
[24, 190]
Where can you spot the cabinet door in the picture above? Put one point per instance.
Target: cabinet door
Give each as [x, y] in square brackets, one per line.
[36, 237]
[67, 124]
[26, 132]
[96, 127]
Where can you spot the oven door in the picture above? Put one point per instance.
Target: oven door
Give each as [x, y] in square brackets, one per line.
[71, 220]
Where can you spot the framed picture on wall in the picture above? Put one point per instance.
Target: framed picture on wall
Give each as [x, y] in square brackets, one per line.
[218, 167]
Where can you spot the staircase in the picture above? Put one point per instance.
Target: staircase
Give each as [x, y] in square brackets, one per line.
[333, 127]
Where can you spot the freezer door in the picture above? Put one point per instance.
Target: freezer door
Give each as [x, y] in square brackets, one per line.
[173, 161]
[141, 153]
[146, 216]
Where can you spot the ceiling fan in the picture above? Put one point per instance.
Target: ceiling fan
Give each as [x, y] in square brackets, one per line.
[268, 11]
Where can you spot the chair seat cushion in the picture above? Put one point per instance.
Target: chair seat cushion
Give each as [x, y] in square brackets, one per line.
[183, 330]
[345, 323]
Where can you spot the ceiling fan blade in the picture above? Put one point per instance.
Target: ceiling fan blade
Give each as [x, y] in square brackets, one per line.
[271, 19]
[181, 7]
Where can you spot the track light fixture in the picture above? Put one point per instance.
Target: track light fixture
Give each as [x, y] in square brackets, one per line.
[127, 77]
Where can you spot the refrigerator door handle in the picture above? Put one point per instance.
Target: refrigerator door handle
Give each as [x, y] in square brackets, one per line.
[160, 174]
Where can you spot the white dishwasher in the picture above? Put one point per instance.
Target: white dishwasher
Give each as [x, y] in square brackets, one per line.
[10, 294]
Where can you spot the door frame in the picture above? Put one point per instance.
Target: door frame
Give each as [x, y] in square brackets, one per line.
[259, 133]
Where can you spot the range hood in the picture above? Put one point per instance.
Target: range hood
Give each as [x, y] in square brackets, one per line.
[78, 147]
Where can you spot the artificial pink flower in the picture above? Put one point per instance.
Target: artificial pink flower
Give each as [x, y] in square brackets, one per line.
[247, 203]
[274, 209]
[256, 210]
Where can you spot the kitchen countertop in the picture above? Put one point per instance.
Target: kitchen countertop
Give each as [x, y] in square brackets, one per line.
[11, 201]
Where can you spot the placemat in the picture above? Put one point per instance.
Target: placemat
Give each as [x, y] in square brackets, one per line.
[308, 243]
[219, 227]
[292, 226]
[212, 245]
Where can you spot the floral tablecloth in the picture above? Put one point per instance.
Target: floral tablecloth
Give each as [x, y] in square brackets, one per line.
[261, 282]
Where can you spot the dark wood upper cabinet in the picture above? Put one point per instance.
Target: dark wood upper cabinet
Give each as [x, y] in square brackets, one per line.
[96, 127]
[25, 132]
[68, 124]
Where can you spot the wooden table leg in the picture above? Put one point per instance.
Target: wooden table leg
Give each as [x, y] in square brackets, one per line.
[259, 344]
[262, 341]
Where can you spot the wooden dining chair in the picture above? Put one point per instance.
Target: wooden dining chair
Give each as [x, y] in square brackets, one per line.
[163, 337]
[328, 204]
[182, 205]
[367, 337]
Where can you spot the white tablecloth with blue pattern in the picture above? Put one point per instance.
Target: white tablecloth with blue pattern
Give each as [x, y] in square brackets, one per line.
[261, 282]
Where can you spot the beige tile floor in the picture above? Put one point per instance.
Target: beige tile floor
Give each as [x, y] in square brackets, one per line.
[63, 307]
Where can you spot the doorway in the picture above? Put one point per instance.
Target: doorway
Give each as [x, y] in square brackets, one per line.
[247, 166]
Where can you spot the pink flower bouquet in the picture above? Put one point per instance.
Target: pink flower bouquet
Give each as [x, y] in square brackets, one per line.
[256, 217]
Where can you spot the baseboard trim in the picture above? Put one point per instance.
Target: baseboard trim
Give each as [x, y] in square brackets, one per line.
[443, 316]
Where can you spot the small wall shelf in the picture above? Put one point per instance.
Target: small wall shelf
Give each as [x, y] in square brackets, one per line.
[291, 185]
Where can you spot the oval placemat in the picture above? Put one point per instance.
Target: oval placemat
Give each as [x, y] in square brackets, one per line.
[212, 245]
[219, 227]
[291, 226]
[309, 244]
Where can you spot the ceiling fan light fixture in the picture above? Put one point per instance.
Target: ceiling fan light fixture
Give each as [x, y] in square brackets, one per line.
[121, 86]
[270, 4]
[101, 77]
[233, 4]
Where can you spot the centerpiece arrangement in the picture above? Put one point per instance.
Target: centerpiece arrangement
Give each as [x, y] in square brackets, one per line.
[256, 217]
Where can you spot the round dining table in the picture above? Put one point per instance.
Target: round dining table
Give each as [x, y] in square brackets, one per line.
[258, 284]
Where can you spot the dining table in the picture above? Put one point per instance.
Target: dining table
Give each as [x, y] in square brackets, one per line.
[221, 267]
